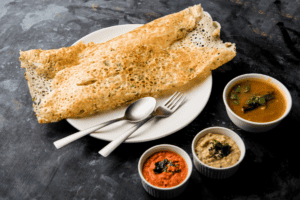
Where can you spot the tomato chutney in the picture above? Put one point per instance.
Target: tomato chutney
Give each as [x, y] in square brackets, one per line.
[165, 169]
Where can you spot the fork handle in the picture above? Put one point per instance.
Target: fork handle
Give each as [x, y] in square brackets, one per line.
[116, 142]
[67, 140]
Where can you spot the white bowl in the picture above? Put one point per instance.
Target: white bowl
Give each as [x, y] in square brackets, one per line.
[214, 172]
[256, 127]
[165, 192]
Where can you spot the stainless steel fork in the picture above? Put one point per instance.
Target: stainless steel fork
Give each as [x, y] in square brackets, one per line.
[168, 107]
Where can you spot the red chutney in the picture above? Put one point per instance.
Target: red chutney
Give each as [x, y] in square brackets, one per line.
[173, 174]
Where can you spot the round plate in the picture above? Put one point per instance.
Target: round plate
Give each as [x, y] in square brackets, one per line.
[196, 99]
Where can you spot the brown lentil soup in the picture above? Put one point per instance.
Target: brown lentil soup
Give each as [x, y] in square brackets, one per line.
[256, 100]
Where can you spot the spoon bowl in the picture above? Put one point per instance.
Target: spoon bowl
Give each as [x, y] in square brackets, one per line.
[140, 109]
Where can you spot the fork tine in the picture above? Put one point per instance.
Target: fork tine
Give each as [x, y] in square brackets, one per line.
[178, 102]
[169, 99]
[173, 103]
[174, 98]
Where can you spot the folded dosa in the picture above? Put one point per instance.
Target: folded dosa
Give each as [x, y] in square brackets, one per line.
[157, 57]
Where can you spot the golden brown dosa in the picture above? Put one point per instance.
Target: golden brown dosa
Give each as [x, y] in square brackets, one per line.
[151, 60]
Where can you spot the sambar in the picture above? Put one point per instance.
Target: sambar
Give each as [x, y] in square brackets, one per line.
[256, 100]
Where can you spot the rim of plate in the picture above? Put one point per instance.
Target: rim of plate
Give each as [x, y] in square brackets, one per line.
[209, 78]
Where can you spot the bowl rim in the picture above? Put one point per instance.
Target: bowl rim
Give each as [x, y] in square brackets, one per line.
[225, 129]
[190, 169]
[275, 81]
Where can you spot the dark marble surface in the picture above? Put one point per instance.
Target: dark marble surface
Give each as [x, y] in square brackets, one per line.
[267, 35]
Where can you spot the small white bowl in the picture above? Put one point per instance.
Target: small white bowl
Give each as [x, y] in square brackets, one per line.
[214, 172]
[165, 192]
[256, 127]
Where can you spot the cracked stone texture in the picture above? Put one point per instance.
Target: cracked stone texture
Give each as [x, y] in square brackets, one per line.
[267, 35]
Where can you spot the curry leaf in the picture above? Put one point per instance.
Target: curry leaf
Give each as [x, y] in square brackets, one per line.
[238, 89]
[262, 100]
[233, 96]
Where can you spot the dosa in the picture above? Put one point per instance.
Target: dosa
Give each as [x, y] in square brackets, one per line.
[151, 60]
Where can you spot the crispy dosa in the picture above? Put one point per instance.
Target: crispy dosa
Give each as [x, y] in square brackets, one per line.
[151, 60]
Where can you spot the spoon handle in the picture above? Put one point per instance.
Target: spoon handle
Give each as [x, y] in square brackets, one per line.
[67, 140]
[105, 151]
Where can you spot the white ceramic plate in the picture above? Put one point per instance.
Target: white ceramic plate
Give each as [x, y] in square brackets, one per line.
[197, 97]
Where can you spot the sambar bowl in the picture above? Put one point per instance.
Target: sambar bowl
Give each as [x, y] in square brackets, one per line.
[250, 126]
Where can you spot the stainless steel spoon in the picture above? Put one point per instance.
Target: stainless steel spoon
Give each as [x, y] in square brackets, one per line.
[136, 112]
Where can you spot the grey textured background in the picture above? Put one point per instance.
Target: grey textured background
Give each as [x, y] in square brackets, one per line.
[267, 35]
